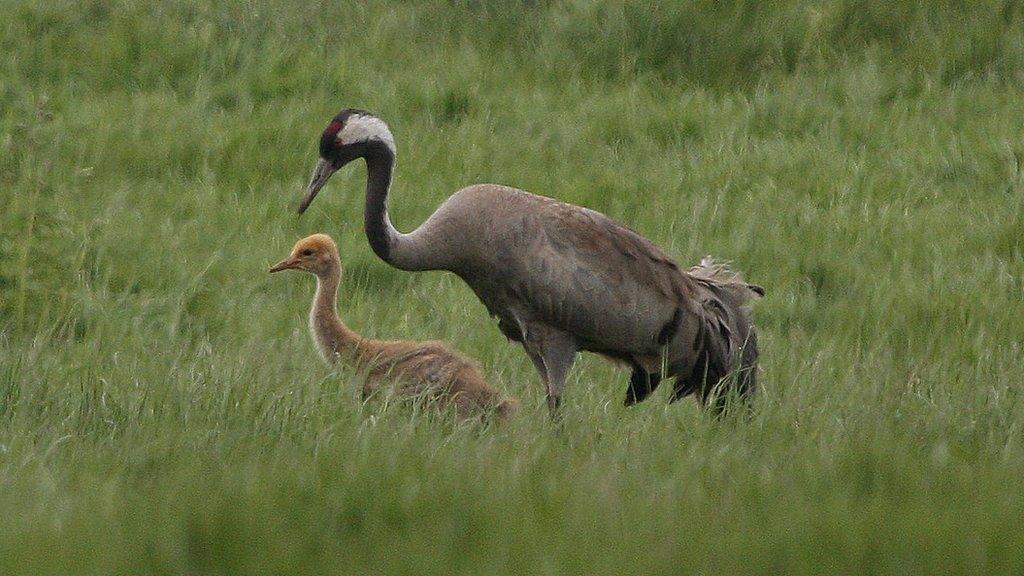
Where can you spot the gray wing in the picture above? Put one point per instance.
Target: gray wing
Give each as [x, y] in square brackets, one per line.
[578, 270]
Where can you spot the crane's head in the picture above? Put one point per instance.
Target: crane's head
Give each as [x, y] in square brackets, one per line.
[316, 254]
[351, 134]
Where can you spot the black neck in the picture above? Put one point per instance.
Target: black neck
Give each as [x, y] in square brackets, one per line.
[380, 163]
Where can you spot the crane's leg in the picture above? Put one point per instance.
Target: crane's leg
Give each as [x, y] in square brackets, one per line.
[553, 353]
[641, 384]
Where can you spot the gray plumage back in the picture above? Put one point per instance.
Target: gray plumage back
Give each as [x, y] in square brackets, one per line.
[729, 339]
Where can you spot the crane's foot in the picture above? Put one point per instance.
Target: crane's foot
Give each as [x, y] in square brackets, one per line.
[554, 407]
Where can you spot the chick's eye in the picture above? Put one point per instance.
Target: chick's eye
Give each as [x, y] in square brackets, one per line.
[307, 252]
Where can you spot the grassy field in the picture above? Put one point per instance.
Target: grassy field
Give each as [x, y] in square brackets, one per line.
[162, 410]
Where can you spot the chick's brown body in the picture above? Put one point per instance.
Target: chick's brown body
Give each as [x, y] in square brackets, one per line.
[431, 369]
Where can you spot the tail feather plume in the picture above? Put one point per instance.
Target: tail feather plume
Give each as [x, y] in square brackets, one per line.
[721, 274]
[727, 339]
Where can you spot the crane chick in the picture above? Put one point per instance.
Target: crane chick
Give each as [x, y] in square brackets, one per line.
[419, 369]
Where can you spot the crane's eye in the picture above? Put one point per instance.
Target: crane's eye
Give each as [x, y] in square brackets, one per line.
[307, 252]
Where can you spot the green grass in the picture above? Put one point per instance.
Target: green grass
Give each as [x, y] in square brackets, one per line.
[162, 410]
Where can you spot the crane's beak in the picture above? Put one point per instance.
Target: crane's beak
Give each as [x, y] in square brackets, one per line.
[286, 264]
[323, 171]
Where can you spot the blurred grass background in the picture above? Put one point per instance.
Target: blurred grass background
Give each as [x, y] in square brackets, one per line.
[162, 410]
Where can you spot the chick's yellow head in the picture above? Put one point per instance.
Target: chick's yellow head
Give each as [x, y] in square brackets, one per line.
[316, 254]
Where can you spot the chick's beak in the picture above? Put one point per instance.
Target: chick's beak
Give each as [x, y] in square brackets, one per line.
[324, 169]
[286, 264]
